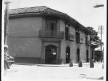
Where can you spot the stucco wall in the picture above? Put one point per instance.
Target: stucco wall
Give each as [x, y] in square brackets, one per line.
[63, 44]
[72, 45]
[24, 47]
[83, 47]
[25, 24]
[23, 39]
[62, 25]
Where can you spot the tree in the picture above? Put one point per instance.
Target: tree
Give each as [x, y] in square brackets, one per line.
[94, 38]
[98, 56]
[95, 42]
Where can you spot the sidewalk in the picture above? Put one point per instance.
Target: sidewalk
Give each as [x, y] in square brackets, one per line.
[49, 72]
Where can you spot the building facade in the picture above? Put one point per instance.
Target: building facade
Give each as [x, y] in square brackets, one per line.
[44, 35]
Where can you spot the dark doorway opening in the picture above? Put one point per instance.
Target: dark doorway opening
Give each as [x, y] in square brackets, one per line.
[67, 54]
[50, 54]
[87, 56]
[78, 54]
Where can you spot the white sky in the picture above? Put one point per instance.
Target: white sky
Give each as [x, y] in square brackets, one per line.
[81, 10]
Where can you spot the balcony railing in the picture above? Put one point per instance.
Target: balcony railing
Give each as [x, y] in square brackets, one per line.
[51, 34]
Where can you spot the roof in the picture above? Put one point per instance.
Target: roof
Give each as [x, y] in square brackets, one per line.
[38, 10]
[43, 11]
[27, 10]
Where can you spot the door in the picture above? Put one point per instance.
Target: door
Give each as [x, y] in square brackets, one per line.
[78, 54]
[50, 54]
[67, 54]
[87, 56]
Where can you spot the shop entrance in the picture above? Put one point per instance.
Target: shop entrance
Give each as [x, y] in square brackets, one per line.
[50, 54]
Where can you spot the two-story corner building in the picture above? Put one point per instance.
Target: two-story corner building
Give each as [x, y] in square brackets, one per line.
[43, 35]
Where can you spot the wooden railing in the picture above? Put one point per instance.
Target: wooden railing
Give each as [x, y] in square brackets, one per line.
[51, 34]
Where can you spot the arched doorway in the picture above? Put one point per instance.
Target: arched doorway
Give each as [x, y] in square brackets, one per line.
[78, 54]
[50, 54]
[67, 54]
[87, 56]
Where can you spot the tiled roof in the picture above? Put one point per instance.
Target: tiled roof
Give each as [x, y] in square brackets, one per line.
[43, 10]
[28, 10]
[37, 9]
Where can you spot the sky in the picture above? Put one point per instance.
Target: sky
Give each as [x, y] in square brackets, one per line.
[81, 10]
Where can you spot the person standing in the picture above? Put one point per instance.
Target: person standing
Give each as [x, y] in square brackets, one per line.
[6, 64]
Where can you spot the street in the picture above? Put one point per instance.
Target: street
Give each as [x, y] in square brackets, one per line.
[44, 72]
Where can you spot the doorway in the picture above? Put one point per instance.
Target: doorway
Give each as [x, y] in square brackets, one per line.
[67, 54]
[78, 54]
[87, 56]
[50, 54]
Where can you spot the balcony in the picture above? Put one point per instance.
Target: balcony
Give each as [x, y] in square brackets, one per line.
[51, 34]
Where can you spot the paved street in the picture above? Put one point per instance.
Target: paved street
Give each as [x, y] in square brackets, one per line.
[44, 72]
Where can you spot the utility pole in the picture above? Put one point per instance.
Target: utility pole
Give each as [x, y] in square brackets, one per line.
[101, 29]
[6, 21]
[91, 52]
[98, 6]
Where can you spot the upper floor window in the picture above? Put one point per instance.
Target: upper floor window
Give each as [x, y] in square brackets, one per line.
[51, 25]
[67, 31]
[77, 37]
[86, 38]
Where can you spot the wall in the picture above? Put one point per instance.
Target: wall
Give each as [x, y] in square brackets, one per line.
[73, 45]
[24, 47]
[23, 39]
[83, 47]
[63, 44]
[25, 24]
